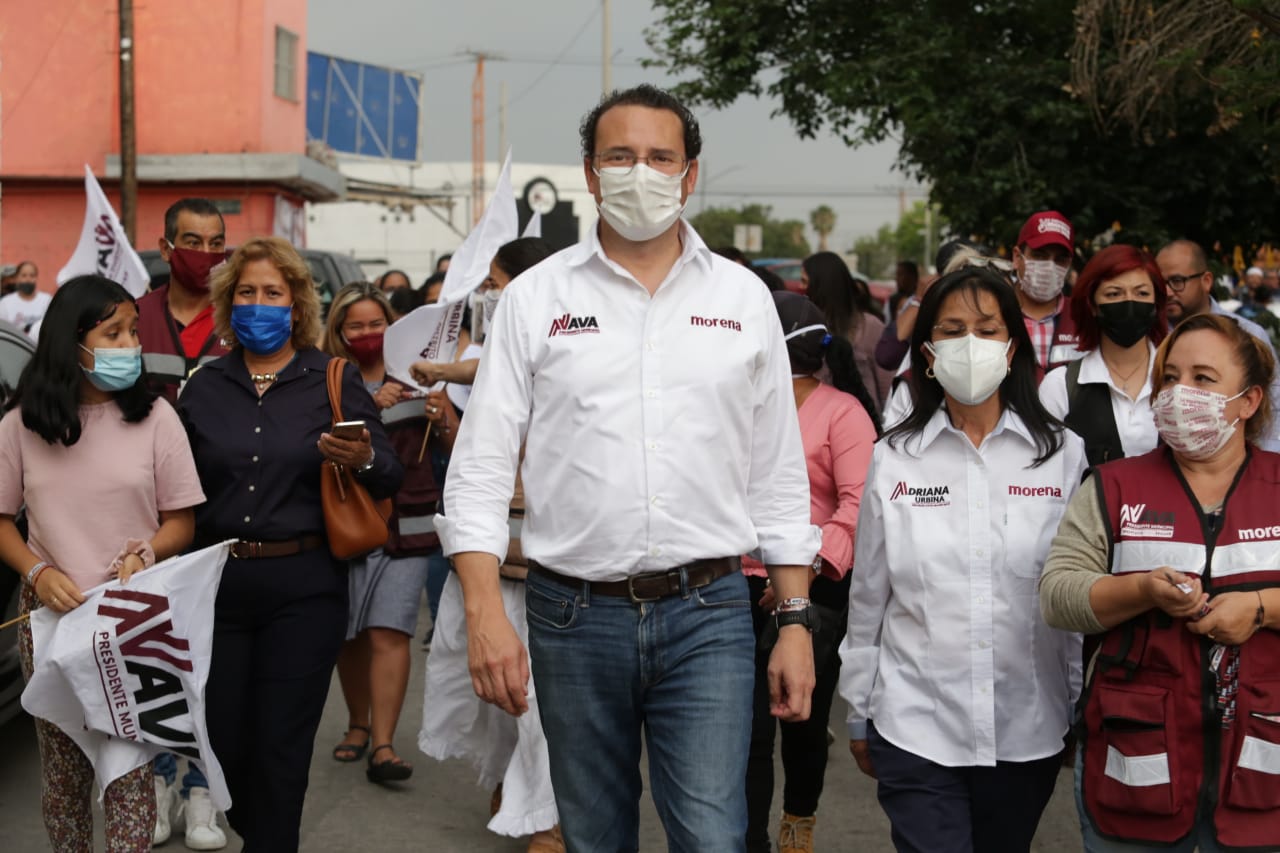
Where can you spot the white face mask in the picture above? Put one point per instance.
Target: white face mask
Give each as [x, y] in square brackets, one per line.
[970, 369]
[1191, 420]
[489, 301]
[1042, 280]
[640, 204]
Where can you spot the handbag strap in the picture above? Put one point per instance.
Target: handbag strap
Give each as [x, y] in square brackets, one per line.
[333, 378]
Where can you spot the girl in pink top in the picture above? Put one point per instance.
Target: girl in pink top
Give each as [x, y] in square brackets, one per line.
[838, 434]
[109, 485]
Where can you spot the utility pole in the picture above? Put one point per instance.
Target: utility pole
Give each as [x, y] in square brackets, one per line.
[128, 127]
[477, 141]
[606, 44]
[502, 119]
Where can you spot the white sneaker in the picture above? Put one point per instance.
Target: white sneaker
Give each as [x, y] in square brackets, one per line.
[202, 830]
[164, 796]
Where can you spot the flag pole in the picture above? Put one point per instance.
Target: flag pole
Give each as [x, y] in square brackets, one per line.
[23, 618]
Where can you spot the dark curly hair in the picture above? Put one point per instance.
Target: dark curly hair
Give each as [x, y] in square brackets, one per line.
[643, 95]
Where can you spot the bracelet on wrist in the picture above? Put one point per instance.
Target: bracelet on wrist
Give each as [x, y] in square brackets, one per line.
[368, 466]
[34, 572]
[1260, 619]
[791, 605]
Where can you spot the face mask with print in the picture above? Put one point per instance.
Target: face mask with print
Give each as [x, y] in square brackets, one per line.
[1191, 420]
[114, 369]
[1042, 280]
[970, 369]
[641, 203]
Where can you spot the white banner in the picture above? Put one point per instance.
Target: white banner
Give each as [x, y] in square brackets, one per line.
[498, 226]
[123, 675]
[103, 248]
[429, 333]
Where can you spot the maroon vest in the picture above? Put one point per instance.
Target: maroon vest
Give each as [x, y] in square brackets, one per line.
[1062, 349]
[1155, 750]
[162, 353]
[412, 523]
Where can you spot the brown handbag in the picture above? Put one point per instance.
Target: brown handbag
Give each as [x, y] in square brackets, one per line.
[354, 522]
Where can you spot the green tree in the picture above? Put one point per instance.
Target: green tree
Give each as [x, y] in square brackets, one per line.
[781, 238]
[907, 241]
[823, 220]
[877, 254]
[980, 96]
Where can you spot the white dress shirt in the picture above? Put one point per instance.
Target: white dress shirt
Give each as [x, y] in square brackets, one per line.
[1134, 421]
[946, 651]
[658, 429]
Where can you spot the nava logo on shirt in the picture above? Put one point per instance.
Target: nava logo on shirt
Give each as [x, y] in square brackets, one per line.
[567, 325]
[922, 495]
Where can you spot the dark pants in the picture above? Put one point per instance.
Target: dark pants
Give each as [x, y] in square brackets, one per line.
[278, 626]
[804, 745]
[936, 809]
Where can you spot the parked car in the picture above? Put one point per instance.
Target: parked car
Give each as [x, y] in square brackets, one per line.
[787, 269]
[15, 351]
[330, 270]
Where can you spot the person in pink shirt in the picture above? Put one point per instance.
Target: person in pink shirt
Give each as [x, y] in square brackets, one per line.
[838, 433]
[110, 486]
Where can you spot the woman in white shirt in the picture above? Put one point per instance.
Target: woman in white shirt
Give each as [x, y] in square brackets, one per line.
[1105, 397]
[959, 694]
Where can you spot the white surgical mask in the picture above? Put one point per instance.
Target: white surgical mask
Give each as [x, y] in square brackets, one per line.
[639, 204]
[1042, 280]
[970, 369]
[1191, 420]
[489, 300]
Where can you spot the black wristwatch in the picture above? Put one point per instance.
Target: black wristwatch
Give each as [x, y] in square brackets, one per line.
[807, 617]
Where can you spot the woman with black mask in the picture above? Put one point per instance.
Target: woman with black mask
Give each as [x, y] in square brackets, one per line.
[1118, 305]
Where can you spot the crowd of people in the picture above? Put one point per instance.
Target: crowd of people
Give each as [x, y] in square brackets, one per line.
[1014, 523]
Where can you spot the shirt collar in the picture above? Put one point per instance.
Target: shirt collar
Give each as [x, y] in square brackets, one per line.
[1048, 318]
[940, 423]
[692, 249]
[1093, 369]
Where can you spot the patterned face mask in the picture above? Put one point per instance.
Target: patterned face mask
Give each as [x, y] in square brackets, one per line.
[1191, 420]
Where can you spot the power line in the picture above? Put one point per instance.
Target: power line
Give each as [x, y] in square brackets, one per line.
[559, 58]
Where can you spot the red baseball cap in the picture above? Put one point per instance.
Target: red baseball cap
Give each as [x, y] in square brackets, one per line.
[1046, 228]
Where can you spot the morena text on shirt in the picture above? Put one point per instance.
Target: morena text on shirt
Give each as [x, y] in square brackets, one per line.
[721, 322]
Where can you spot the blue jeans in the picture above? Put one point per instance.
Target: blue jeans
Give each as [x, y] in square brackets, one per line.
[681, 668]
[1202, 838]
[166, 765]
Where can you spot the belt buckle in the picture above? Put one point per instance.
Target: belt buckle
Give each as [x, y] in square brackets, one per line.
[631, 591]
[248, 550]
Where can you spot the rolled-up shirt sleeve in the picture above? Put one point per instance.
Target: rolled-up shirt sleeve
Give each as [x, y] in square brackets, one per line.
[778, 487]
[868, 599]
[486, 455]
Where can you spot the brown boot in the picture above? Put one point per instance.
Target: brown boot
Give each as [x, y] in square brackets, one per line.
[795, 834]
[547, 841]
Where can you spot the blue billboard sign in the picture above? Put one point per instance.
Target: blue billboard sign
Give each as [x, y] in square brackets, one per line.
[363, 109]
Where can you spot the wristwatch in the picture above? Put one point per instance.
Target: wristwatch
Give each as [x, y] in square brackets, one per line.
[806, 616]
[368, 466]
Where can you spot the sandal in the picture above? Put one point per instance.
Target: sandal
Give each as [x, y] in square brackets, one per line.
[391, 770]
[351, 752]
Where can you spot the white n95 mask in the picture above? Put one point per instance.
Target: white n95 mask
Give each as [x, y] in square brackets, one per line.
[970, 369]
[640, 203]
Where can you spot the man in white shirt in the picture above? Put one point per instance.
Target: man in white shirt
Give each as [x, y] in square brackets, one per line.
[1186, 271]
[25, 307]
[650, 385]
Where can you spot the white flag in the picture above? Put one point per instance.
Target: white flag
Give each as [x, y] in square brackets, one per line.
[534, 227]
[103, 248]
[123, 675]
[431, 332]
[499, 225]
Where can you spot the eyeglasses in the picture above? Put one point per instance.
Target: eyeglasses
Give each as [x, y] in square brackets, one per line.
[959, 330]
[666, 162]
[1177, 282]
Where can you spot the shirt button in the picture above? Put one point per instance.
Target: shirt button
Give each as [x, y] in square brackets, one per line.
[251, 488]
[978, 504]
[980, 552]
[983, 644]
[981, 600]
[653, 552]
[257, 429]
[247, 519]
[653, 445]
[655, 500]
[255, 459]
[651, 394]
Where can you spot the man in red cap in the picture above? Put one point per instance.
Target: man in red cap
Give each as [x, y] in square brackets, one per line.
[1041, 260]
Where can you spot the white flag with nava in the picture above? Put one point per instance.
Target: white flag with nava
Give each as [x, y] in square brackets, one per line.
[430, 333]
[103, 248]
[123, 674]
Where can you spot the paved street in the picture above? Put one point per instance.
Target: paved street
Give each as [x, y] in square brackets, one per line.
[441, 810]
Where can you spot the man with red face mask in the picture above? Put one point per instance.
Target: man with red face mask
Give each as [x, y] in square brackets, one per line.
[175, 321]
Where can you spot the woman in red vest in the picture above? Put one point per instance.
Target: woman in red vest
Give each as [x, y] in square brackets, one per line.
[1174, 556]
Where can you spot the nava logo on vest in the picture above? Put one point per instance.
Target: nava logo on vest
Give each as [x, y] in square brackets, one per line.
[922, 495]
[1141, 523]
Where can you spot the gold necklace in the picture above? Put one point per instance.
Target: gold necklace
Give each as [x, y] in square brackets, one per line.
[1124, 379]
[261, 379]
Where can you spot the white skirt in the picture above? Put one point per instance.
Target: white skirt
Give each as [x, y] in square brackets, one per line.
[457, 724]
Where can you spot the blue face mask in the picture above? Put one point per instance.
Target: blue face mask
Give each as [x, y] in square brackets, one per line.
[114, 369]
[262, 329]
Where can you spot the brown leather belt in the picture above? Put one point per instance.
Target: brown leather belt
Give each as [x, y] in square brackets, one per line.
[243, 550]
[651, 586]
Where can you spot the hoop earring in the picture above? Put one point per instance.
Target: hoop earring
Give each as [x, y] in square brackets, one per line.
[928, 371]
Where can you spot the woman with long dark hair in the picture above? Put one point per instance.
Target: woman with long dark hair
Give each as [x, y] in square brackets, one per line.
[106, 474]
[846, 303]
[838, 429]
[959, 693]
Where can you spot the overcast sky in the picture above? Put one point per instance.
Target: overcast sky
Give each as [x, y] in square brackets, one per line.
[747, 155]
